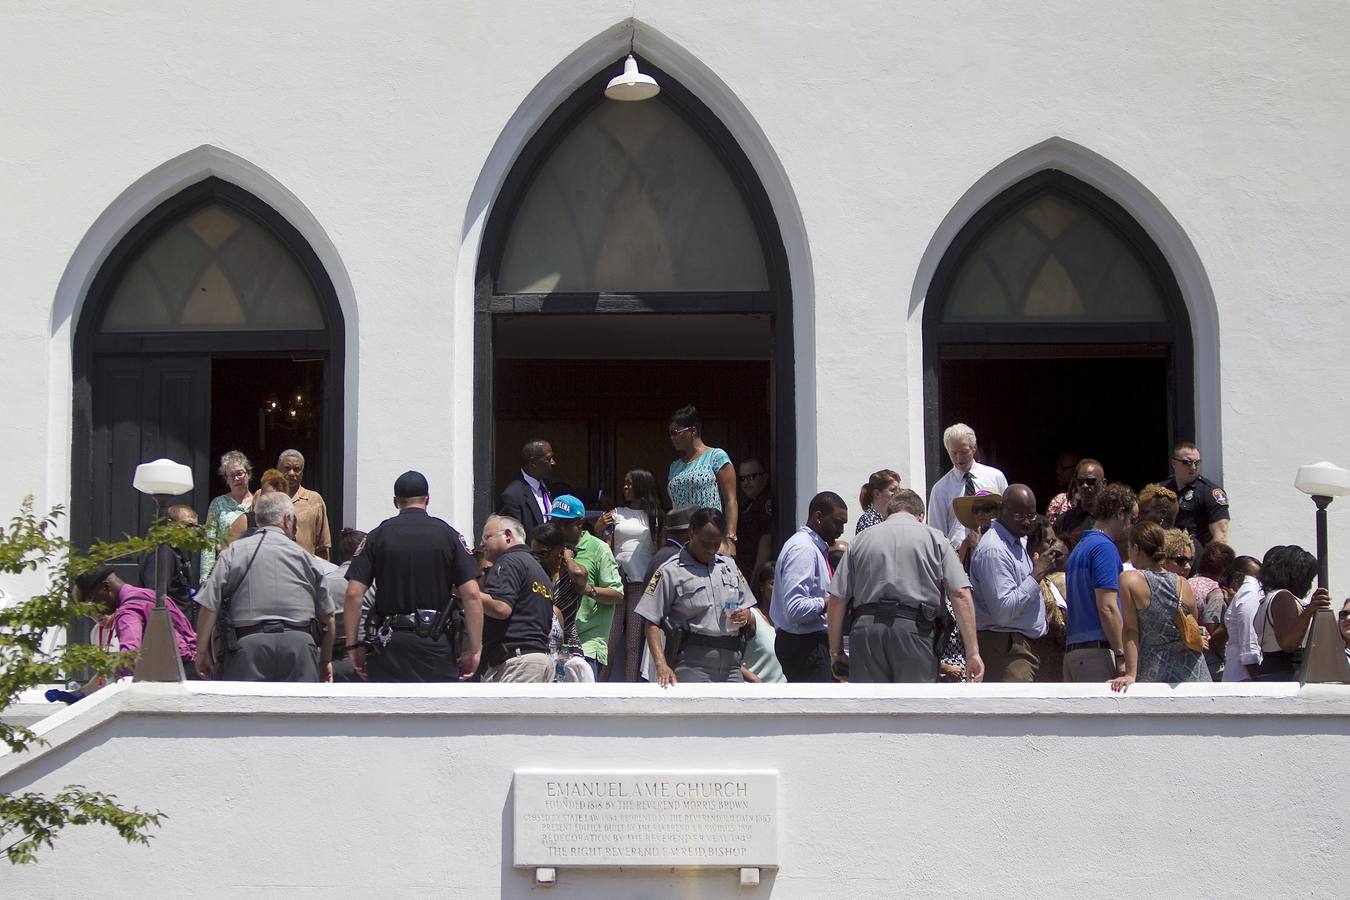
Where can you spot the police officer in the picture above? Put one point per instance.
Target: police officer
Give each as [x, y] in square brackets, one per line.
[701, 595]
[278, 614]
[1202, 505]
[518, 605]
[415, 562]
[893, 580]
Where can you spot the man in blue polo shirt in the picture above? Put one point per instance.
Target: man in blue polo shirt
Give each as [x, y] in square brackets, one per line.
[1095, 639]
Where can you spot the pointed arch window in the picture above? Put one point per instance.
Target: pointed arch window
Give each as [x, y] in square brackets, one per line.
[632, 200]
[1053, 259]
[213, 269]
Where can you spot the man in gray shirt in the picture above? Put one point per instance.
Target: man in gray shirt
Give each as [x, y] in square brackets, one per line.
[893, 579]
[279, 609]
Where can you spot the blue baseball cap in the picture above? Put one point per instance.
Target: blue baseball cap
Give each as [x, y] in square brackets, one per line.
[567, 508]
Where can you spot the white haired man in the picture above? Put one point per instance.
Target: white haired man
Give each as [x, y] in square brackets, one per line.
[278, 614]
[965, 478]
[311, 513]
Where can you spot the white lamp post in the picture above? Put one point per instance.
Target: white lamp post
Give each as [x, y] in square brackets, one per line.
[1323, 482]
[1324, 655]
[162, 479]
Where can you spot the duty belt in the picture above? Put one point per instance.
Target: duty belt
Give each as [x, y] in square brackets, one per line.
[721, 642]
[409, 621]
[419, 622]
[896, 609]
[272, 626]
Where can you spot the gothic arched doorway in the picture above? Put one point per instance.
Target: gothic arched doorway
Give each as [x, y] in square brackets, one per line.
[631, 264]
[1052, 324]
[211, 326]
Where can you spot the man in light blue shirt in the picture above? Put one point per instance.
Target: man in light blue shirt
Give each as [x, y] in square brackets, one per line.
[1006, 580]
[800, 580]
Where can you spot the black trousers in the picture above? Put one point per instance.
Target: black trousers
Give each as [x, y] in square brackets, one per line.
[804, 657]
[408, 657]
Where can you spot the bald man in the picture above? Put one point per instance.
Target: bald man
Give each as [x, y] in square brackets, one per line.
[1006, 581]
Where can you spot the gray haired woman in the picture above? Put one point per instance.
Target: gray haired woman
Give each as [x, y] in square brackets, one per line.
[220, 515]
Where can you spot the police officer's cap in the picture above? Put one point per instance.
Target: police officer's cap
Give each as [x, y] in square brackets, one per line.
[411, 484]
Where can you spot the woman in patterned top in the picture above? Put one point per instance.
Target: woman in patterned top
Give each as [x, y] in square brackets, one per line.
[703, 476]
[880, 488]
[220, 515]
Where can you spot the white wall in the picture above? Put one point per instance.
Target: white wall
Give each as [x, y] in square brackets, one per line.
[938, 790]
[389, 123]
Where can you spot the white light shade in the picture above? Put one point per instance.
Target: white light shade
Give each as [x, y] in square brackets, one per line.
[163, 476]
[1322, 479]
[632, 84]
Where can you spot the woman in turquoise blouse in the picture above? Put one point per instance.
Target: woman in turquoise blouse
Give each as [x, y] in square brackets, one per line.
[703, 476]
[220, 515]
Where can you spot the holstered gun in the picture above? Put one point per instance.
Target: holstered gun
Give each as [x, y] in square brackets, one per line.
[675, 639]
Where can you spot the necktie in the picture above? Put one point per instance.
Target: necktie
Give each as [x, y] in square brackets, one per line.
[970, 484]
[548, 501]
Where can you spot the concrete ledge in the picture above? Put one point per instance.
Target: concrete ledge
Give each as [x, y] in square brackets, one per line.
[391, 701]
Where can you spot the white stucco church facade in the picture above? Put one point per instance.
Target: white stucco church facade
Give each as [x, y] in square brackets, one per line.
[957, 212]
[411, 235]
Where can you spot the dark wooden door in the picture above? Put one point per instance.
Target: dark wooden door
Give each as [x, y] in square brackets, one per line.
[144, 408]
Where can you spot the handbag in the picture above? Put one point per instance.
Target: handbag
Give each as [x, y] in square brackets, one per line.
[1187, 626]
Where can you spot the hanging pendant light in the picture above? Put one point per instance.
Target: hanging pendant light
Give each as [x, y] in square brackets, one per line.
[632, 84]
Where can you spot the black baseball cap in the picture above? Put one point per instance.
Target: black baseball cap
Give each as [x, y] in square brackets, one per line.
[411, 484]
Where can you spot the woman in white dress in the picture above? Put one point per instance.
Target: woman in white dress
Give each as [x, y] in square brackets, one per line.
[634, 532]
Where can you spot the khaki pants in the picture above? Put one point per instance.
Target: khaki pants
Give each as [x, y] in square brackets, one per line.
[1089, 664]
[528, 667]
[1008, 657]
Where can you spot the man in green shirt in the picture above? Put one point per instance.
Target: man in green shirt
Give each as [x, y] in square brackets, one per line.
[604, 586]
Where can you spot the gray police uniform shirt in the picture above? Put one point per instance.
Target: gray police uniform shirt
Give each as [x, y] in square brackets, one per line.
[692, 594]
[284, 582]
[899, 559]
[335, 579]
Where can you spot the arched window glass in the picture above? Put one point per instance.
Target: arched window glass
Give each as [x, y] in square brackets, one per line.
[632, 200]
[213, 270]
[1053, 259]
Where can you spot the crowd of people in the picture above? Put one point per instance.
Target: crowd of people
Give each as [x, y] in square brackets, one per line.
[980, 583]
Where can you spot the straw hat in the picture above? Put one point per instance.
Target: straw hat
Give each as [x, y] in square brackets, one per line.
[965, 506]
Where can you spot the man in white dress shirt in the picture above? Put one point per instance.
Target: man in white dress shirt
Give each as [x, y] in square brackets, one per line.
[966, 476]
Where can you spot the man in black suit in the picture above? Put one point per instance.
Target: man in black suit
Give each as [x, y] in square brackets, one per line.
[527, 498]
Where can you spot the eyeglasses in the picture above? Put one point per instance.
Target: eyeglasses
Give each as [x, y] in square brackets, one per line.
[1087, 482]
[984, 508]
[1183, 560]
[676, 432]
[750, 476]
[1189, 463]
[1024, 517]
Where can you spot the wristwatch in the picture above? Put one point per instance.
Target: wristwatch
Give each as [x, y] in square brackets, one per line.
[590, 590]
[732, 538]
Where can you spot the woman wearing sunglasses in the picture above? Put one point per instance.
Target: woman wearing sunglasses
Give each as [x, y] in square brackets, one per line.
[1150, 598]
[703, 477]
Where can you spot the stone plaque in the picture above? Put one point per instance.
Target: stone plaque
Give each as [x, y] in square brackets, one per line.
[643, 818]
